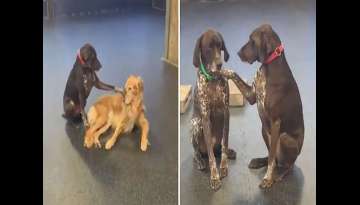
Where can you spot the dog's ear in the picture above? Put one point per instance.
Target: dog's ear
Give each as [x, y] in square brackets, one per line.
[85, 54]
[269, 41]
[223, 48]
[140, 84]
[262, 48]
[265, 48]
[196, 56]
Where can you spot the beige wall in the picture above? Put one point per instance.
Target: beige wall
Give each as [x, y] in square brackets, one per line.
[171, 35]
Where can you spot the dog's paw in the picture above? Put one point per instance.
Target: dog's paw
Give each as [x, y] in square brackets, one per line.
[200, 163]
[258, 163]
[109, 144]
[266, 183]
[97, 143]
[88, 142]
[231, 154]
[223, 172]
[144, 144]
[215, 183]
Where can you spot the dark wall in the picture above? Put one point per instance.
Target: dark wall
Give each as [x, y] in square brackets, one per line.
[70, 6]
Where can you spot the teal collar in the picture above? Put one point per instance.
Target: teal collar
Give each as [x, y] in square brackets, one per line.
[204, 72]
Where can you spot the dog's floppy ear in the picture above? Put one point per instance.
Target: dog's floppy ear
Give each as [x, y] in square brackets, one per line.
[262, 50]
[223, 47]
[265, 47]
[196, 60]
[140, 84]
[269, 41]
[85, 54]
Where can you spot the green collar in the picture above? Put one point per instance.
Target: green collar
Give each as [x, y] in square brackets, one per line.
[204, 72]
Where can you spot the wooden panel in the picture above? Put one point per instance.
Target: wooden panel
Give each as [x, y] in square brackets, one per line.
[185, 97]
[173, 37]
[171, 54]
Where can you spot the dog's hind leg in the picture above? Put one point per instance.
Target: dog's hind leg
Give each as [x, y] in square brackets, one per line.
[286, 154]
[99, 132]
[195, 135]
[268, 179]
[96, 122]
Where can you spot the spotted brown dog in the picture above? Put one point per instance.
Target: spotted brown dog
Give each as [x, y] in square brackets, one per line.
[210, 121]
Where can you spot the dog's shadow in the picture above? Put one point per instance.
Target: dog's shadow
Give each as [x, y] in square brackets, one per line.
[287, 191]
[103, 164]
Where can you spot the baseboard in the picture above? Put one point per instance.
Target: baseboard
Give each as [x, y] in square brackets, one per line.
[169, 62]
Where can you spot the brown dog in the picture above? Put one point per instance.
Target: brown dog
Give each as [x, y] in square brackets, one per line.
[121, 113]
[278, 100]
[80, 82]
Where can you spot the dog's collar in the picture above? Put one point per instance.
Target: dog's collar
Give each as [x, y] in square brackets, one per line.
[277, 52]
[82, 62]
[203, 70]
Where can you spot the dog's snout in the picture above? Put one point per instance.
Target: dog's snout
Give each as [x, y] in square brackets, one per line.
[239, 53]
[218, 61]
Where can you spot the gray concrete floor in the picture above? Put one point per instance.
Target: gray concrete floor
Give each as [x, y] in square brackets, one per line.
[294, 21]
[131, 42]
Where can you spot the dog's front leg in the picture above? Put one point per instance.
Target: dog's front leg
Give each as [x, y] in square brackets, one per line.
[110, 143]
[268, 179]
[224, 146]
[196, 133]
[143, 123]
[82, 109]
[215, 182]
[245, 89]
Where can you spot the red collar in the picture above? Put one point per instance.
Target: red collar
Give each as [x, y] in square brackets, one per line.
[82, 62]
[277, 52]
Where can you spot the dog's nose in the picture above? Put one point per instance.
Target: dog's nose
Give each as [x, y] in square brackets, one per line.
[219, 65]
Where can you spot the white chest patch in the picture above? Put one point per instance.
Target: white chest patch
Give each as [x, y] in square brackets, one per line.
[129, 125]
[127, 121]
[259, 85]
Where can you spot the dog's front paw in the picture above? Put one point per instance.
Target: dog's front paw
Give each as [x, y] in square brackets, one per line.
[223, 172]
[144, 144]
[109, 144]
[215, 183]
[266, 183]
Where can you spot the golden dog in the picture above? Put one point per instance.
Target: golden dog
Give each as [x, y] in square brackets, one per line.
[121, 113]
